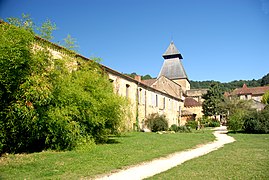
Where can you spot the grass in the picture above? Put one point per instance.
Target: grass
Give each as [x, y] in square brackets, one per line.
[247, 158]
[130, 149]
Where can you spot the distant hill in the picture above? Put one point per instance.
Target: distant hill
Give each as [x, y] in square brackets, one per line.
[231, 85]
[224, 86]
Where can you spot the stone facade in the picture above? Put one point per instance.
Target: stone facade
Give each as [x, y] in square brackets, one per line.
[163, 95]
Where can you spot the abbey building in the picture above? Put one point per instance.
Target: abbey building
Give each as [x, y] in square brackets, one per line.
[169, 94]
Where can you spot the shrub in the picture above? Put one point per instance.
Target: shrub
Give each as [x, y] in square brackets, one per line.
[257, 122]
[183, 129]
[236, 121]
[192, 124]
[214, 123]
[174, 127]
[156, 122]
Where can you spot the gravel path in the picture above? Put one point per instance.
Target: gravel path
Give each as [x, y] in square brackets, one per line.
[148, 169]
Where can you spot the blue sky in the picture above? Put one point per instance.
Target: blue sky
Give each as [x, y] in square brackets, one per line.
[221, 40]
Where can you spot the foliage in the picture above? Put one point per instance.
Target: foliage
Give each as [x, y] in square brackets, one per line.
[212, 100]
[257, 122]
[208, 122]
[25, 22]
[46, 30]
[192, 124]
[145, 77]
[183, 129]
[236, 120]
[70, 43]
[174, 127]
[226, 86]
[45, 104]
[265, 98]
[265, 80]
[156, 122]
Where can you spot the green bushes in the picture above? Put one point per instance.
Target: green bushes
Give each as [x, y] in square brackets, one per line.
[192, 124]
[46, 104]
[156, 122]
[181, 129]
[208, 122]
[257, 122]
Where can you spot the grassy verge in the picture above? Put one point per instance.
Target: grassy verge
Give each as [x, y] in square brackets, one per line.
[247, 158]
[126, 150]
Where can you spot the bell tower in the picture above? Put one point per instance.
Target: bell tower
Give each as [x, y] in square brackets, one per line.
[173, 68]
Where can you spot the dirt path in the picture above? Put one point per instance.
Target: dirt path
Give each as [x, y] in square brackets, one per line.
[148, 169]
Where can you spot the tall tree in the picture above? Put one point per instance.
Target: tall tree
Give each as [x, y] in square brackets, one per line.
[213, 98]
[265, 80]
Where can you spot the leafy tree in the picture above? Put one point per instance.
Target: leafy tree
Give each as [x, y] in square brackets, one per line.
[265, 80]
[212, 99]
[70, 43]
[46, 29]
[146, 77]
[235, 110]
[265, 98]
[45, 104]
[25, 22]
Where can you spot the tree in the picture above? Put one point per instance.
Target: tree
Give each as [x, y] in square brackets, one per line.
[70, 43]
[235, 110]
[265, 80]
[146, 77]
[265, 98]
[46, 105]
[212, 99]
[46, 29]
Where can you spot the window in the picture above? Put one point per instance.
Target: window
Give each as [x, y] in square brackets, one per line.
[127, 90]
[156, 100]
[153, 99]
[140, 95]
[163, 102]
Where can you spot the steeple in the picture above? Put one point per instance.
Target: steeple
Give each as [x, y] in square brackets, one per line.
[173, 68]
[172, 52]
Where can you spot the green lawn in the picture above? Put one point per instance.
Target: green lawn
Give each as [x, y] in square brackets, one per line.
[129, 149]
[247, 158]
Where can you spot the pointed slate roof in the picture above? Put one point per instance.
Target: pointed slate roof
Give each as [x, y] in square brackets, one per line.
[172, 66]
[172, 52]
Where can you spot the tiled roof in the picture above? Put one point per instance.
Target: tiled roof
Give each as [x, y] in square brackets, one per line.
[190, 102]
[186, 113]
[149, 82]
[246, 90]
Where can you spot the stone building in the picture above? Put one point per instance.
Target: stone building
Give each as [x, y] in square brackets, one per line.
[178, 84]
[254, 94]
[165, 95]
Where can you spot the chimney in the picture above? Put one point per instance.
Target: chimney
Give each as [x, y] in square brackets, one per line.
[138, 78]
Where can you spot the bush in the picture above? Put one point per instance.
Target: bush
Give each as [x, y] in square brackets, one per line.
[214, 123]
[236, 120]
[183, 129]
[155, 122]
[257, 122]
[174, 127]
[45, 105]
[192, 124]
